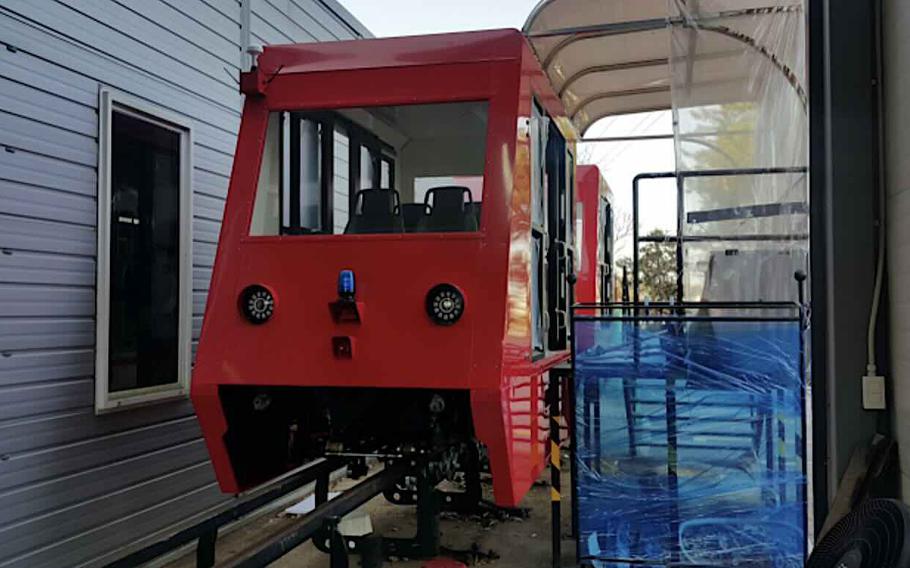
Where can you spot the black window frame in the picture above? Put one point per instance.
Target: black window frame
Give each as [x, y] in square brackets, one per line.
[606, 264]
[559, 253]
[358, 138]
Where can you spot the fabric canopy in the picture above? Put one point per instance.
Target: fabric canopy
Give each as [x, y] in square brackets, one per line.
[608, 57]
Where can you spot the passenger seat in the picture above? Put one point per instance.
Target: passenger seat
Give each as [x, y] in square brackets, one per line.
[474, 209]
[375, 211]
[448, 210]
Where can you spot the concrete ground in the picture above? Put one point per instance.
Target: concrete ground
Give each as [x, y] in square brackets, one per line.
[501, 543]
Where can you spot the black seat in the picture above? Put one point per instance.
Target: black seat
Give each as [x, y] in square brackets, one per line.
[375, 211]
[474, 209]
[449, 211]
[412, 214]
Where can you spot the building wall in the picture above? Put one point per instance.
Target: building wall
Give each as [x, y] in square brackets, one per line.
[842, 185]
[76, 488]
[897, 149]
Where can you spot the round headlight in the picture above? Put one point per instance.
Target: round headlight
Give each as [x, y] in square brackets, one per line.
[445, 304]
[257, 304]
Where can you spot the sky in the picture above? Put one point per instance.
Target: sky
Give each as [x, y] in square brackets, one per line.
[412, 17]
[619, 162]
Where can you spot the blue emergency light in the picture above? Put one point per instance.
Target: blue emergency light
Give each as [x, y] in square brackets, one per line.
[346, 284]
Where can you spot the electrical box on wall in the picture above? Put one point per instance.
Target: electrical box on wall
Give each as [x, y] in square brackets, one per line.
[873, 392]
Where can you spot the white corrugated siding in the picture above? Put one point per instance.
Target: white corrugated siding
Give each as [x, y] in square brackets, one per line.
[76, 489]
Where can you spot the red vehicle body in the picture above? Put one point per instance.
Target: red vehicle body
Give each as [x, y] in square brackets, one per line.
[594, 214]
[308, 380]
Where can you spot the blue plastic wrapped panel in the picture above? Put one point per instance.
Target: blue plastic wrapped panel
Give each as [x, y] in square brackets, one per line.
[690, 444]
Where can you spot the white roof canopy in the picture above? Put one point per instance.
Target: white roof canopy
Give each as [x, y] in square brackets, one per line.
[607, 57]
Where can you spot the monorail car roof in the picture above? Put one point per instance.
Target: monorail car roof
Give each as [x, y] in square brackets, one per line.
[409, 51]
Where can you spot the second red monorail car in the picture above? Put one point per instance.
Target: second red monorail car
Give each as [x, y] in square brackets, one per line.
[392, 272]
[594, 245]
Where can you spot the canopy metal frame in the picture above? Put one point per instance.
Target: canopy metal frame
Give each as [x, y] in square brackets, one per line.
[572, 35]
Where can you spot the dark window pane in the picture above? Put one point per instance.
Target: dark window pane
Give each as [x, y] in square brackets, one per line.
[145, 243]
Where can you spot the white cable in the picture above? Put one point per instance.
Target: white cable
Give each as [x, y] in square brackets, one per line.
[871, 369]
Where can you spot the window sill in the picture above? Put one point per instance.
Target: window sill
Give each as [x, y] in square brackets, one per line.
[141, 397]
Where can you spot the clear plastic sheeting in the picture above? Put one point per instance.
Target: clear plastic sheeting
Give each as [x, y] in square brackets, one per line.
[738, 71]
[741, 272]
[690, 442]
[755, 117]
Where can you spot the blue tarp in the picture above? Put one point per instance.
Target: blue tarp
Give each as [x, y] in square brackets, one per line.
[690, 443]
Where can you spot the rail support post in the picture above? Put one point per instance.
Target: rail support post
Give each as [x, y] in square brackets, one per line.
[338, 549]
[205, 548]
[427, 539]
[555, 468]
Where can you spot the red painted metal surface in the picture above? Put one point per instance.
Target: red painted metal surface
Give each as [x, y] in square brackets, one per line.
[395, 345]
[592, 190]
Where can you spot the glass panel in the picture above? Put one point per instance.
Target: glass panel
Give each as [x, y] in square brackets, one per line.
[145, 254]
[579, 234]
[310, 172]
[538, 134]
[289, 189]
[537, 323]
[431, 175]
[690, 443]
[341, 185]
[384, 177]
[366, 169]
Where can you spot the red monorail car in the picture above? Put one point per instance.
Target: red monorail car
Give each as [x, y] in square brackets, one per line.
[594, 245]
[394, 262]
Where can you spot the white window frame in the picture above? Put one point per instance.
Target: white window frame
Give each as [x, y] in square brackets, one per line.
[110, 100]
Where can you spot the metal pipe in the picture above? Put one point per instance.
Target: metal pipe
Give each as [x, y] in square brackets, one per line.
[207, 530]
[680, 210]
[722, 238]
[314, 521]
[692, 305]
[688, 137]
[680, 226]
[677, 318]
[626, 138]
[721, 172]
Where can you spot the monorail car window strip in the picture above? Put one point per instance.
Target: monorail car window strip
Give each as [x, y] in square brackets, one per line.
[398, 169]
[558, 239]
[606, 254]
[309, 197]
[538, 132]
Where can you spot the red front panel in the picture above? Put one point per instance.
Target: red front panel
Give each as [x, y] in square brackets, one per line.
[395, 343]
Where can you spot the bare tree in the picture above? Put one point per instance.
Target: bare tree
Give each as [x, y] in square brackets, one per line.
[622, 227]
[585, 153]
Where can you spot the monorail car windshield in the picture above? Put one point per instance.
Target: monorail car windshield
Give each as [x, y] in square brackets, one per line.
[393, 269]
